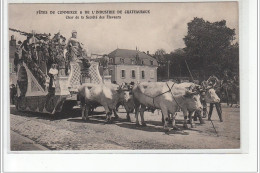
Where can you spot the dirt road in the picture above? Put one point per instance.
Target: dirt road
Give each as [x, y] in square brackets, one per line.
[69, 132]
[21, 143]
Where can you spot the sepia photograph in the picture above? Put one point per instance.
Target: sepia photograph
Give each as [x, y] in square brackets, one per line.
[124, 76]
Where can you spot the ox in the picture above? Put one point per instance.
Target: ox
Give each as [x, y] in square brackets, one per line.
[105, 95]
[211, 97]
[207, 95]
[128, 104]
[168, 97]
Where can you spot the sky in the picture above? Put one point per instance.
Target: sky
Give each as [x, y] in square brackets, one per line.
[164, 27]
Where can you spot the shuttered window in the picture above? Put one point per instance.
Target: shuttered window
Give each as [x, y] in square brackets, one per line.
[133, 74]
[143, 74]
[122, 73]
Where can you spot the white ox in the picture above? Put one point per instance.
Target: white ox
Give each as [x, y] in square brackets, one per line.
[207, 95]
[129, 104]
[210, 93]
[107, 95]
[168, 97]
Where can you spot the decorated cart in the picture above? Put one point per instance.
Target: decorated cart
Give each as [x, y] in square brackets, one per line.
[48, 77]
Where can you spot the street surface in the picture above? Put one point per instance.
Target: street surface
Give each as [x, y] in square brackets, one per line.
[69, 132]
[21, 143]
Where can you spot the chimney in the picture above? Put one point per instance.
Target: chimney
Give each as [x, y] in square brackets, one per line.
[148, 52]
[12, 41]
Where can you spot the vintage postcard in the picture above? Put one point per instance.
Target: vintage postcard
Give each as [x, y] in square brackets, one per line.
[124, 76]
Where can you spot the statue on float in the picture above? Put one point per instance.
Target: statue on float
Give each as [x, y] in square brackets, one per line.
[75, 53]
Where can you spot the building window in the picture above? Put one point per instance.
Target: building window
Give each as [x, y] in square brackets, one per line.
[110, 60]
[151, 74]
[143, 75]
[151, 62]
[122, 73]
[110, 72]
[132, 61]
[142, 62]
[122, 60]
[133, 74]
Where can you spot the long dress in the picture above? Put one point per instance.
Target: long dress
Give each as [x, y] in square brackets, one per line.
[74, 48]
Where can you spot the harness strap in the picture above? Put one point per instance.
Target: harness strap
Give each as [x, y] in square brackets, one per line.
[163, 94]
[172, 94]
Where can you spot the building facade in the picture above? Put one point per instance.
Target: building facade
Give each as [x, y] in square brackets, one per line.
[132, 66]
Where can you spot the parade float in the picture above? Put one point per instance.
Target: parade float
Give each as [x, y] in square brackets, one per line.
[49, 72]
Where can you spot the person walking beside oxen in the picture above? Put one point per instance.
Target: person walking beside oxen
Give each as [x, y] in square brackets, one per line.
[218, 108]
[212, 83]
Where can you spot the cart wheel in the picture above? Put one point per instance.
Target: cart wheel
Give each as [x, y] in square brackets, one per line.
[50, 105]
[21, 103]
[68, 106]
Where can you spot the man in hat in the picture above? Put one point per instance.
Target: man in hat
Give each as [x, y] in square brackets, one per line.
[213, 82]
[74, 46]
[13, 92]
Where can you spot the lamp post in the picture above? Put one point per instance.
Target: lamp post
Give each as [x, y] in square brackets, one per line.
[168, 62]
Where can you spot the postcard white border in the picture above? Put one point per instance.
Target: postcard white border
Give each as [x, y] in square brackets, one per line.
[72, 161]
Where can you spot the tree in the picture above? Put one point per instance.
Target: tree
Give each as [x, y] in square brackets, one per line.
[160, 56]
[162, 62]
[230, 60]
[177, 66]
[207, 44]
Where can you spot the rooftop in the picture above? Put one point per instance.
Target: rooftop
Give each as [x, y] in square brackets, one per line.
[126, 53]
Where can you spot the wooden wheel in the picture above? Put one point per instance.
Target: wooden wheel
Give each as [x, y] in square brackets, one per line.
[50, 104]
